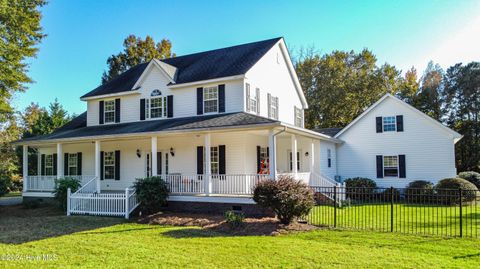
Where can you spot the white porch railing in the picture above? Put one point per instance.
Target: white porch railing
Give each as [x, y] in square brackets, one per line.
[48, 183]
[40, 183]
[102, 204]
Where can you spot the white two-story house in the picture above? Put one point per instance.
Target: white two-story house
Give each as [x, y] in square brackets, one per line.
[213, 123]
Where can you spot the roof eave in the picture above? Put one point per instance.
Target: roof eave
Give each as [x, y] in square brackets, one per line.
[193, 83]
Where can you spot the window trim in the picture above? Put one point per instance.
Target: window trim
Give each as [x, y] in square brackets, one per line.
[109, 111]
[254, 98]
[163, 107]
[47, 157]
[391, 167]
[273, 99]
[394, 124]
[205, 100]
[109, 165]
[69, 165]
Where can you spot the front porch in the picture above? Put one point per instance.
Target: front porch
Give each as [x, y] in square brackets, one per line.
[219, 167]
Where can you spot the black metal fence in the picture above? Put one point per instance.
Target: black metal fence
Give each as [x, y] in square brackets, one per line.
[452, 212]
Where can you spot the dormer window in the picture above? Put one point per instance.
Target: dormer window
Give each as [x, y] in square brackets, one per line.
[109, 112]
[210, 100]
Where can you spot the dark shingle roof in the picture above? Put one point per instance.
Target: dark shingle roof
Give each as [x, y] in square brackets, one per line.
[178, 124]
[124, 82]
[328, 131]
[225, 62]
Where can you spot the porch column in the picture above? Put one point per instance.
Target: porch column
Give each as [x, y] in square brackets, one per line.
[59, 160]
[154, 156]
[25, 167]
[208, 170]
[294, 155]
[97, 163]
[272, 149]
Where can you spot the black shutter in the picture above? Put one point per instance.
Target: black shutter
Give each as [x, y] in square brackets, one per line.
[199, 101]
[170, 106]
[159, 163]
[329, 162]
[379, 124]
[65, 164]
[55, 157]
[399, 123]
[221, 98]
[100, 112]
[117, 110]
[221, 159]
[379, 166]
[117, 164]
[79, 163]
[142, 109]
[259, 165]
[401, 164]
[101, 165]
[42, 165]
[199, 160]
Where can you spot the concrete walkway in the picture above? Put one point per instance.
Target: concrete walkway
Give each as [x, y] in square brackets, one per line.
[11, 200]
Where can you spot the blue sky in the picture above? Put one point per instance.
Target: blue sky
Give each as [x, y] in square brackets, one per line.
[83, 34]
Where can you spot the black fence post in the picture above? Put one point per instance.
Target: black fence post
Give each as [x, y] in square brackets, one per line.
[461, 209]
[391, 209]
[335, 206]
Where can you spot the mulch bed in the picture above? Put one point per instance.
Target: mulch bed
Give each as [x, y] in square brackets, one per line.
[217, 223]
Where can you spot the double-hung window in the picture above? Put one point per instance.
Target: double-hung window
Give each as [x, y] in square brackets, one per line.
[298, 117]
[109, 165]
[73, 164]
[329, 157]
[389, 124]
[49, 165]
[273, 107]
[109, 112]
[157, 107]
[214, 160]
[252, 99]
[210, 99]
[390, 166]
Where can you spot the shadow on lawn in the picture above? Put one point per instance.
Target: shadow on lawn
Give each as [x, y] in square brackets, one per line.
[20, 225]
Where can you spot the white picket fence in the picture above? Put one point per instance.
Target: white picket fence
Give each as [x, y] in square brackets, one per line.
[84, 202]
[47, 183]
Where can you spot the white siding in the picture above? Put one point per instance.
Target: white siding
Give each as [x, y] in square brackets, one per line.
[273, 77]
[429, 150]
[184, 100]
[330, 172]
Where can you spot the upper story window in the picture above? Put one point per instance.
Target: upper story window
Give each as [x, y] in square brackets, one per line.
[210, 99]
[389, 124]
[157, 107]
[390, 166]
[298, 117]
[272, 107]
[109, 112]
[252, 99]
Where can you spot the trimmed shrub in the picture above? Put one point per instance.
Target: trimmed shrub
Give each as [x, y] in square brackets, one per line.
[419, 190]
[472, 177]
[3, 185]
[234, 219]
[287, 197]
[152, 193]
[360, 188]
[448, 190]
[61, 186]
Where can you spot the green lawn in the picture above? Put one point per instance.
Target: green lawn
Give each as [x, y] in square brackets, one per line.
[436, 220]
[110, 242]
